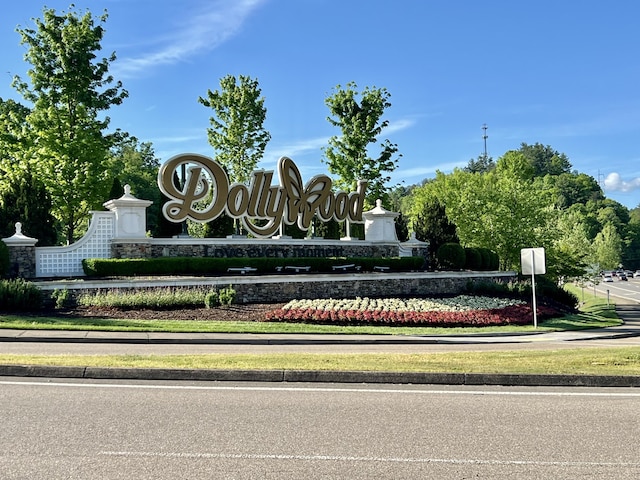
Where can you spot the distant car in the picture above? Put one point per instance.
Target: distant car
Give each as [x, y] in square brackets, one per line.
[622, 277]
[636, 274]
[607, 278]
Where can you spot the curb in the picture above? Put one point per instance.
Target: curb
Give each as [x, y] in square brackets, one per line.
[313, 376]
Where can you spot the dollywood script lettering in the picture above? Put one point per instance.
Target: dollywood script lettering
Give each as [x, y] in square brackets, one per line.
[261, 207]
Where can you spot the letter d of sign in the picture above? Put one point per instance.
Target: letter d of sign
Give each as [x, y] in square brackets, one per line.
[183, 198]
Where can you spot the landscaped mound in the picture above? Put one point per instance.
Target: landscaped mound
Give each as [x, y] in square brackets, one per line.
[460, 311]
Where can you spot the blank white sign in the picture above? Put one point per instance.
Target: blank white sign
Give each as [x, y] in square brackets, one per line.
[533, 261]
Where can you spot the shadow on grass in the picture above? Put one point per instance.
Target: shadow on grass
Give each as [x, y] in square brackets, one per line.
[584, 321]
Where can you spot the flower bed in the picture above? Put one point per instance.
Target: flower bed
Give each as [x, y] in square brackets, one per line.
[463, 310]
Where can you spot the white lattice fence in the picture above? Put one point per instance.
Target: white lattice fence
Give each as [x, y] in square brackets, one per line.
[67, 261]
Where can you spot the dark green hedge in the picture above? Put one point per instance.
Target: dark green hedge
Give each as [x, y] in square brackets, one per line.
[103, 267]
[4, 259]
[451, 256]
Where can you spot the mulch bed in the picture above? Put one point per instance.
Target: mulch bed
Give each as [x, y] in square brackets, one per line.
[254, 312]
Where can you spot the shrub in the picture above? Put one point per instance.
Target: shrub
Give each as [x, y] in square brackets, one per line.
[105, 267]
[227, 295]
[62, 298]
[451, 256]
[166, 298]
[4, 259]
[473, 258]
[547, 291]
[19, 295]
[212, 299]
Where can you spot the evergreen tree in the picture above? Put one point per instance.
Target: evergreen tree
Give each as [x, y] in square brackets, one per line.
[27, 201]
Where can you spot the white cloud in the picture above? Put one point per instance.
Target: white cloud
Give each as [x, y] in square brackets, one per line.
[202, 32]
[614, 182]
[398, 125]
[302, 147]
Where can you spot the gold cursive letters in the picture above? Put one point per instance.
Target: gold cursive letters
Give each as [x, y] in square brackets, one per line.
[291, 202]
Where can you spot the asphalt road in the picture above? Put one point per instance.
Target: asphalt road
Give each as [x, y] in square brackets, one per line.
[163, 430]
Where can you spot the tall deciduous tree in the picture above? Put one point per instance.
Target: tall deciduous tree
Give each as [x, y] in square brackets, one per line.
[607, 248]
[503, 210]
[237, 131]
[361, 124]
[136, 165]
[14, 142]
[69, 89]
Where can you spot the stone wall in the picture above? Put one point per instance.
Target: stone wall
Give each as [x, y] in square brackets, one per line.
[251, 248]
[22, 261]
[360, 285]
[283, 288]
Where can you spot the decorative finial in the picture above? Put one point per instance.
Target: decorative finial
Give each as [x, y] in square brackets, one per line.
[18, 228]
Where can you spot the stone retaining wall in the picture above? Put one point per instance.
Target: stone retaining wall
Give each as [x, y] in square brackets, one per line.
[283, 288]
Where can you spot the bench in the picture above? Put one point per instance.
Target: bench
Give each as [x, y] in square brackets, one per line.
[241, 270]
[297, 269]
[378, 268]
[346, 268]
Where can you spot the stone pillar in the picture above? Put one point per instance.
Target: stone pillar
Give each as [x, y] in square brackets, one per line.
[415, 248]
[379, 224]
[22, 254]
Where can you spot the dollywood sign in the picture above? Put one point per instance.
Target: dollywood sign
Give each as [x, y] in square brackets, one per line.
[262, 208]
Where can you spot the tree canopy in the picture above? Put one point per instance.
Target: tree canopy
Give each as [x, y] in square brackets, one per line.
[237, 131]
[359, 118]
[64, 138]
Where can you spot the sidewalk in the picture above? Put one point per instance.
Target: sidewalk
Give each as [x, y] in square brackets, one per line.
[630, 313]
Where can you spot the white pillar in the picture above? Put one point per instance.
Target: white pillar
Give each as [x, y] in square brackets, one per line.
[131, 219]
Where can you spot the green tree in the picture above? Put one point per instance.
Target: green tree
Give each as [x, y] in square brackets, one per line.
[27, 201]
[360, 123]
[14, 141]
[607, 248]
[482, 164]
[137, 166]
[237, 133]
[432, 225]
[631, 248]
[503, 210]
[545, 160]
[69, 89]
[572, 188]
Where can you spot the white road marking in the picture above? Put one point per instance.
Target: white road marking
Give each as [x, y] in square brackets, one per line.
[536, 393]
[346, 458]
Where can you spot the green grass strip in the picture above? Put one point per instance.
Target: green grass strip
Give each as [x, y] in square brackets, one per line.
[587, 361]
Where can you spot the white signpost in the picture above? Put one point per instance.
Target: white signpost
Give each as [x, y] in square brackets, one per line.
[533, 262]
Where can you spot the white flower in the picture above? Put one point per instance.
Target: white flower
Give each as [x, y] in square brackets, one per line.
[455, 304]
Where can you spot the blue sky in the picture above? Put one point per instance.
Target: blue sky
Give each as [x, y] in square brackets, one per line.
[560, 73]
